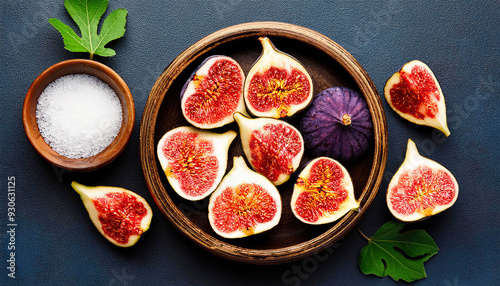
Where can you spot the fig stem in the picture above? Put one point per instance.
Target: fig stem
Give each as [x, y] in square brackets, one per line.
[346, 119]
[363, 235]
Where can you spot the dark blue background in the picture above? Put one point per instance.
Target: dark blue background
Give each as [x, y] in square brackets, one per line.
[56, 242]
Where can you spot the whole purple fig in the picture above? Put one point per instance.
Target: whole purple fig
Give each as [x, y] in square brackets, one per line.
[338, 125]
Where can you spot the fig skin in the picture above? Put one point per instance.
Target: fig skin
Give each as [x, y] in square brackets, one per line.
[273, 58]
[88, 194]
[338, 124]
[220, 143]
[200, 74]
[241, 174]
[413, 161]
[439, 121]
[300, 187]
[248, 125]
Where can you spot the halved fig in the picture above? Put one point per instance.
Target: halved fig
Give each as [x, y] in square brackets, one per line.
[213, 93]
[420, 188]
[273, 147]
[323, 192]
[120, 215]
[194, 160]
[277, 85]
[338, 125]
[244, 204]
[414, 93]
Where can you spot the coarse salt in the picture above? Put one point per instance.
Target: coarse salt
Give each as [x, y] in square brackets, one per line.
[78, 115]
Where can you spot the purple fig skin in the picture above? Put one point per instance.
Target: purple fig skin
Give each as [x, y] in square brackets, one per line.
[327, 131]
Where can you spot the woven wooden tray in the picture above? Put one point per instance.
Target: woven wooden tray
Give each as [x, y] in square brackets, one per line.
[329, 65]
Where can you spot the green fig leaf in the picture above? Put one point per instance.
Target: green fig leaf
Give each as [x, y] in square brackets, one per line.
[87, 14]
[400, 255]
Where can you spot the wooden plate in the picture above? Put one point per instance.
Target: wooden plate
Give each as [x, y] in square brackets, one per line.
[329, 65]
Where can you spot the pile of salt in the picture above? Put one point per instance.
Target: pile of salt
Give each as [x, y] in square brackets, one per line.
[78, 115]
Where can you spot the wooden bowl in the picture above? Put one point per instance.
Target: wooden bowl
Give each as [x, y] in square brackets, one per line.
[105, 74]
[329, 65]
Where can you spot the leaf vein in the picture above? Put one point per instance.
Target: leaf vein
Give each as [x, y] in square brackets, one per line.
[401, 241]
[392, 256]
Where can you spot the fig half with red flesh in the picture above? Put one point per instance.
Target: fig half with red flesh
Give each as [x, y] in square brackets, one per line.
[420, 188]
[120, 215]
[323, 192]
[414, 93]
[213, 93]
[194, 160]
[245, 203]
[338, 124]
[273, 147]
[277, 85]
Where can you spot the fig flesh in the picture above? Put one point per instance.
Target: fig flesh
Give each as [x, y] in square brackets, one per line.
[338, 124]
[245, 203]
[273, 147]
[414, 93]
[213, 93]
[277, 85]
[194, 160]
[120, 215]
[420, 188]
[323, 192]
